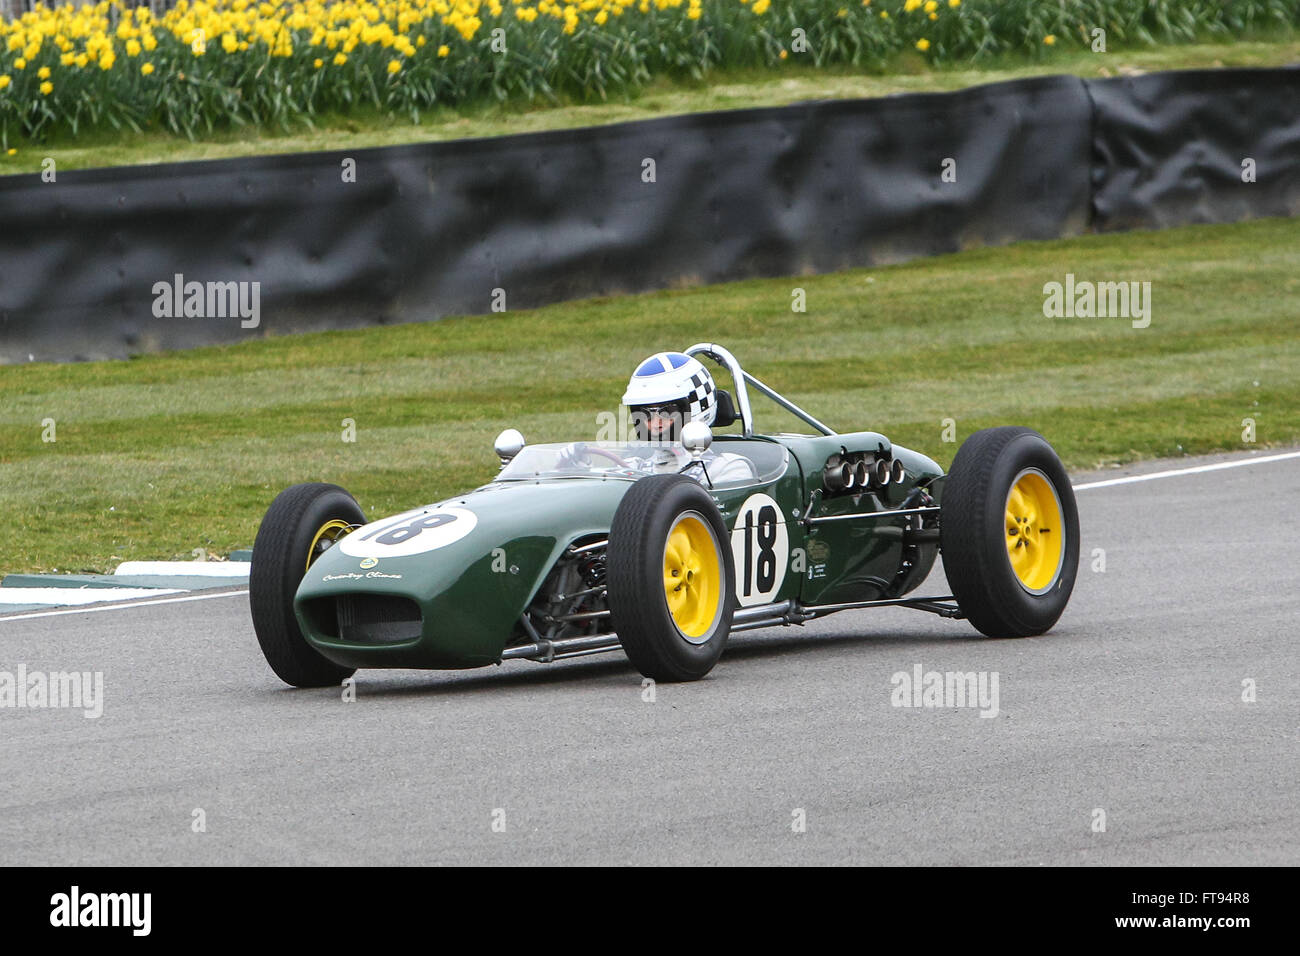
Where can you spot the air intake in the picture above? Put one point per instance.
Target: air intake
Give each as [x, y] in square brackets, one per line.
[378, 619]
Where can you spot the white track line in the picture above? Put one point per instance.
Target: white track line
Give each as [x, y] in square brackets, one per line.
[1195, 470]
[71, 597]
[120, 607]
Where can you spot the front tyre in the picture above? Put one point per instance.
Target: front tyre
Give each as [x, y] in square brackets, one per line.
[1009, 532]
[302, 522]
[670, 578]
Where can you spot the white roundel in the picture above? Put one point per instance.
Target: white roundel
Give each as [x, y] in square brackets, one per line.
[413, 532]
[760, 548]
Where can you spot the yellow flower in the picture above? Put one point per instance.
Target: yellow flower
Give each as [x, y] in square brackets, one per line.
[20, 64]
[923, 44]
[784, 54]
[911, 5]
[13, 150]
[4, 81]
[761, 7]
[146, 69]
[693, 13]
[340, 59]
[132, 47]
[317, 63]
[954, 3]
[47, 88]
[934, 16]
[444, 50]
[107, 60]
[841, 13]
[931, 6]
[1050, 39]
[884, 14]
[43, 73]
[601, 18]
[866, 3]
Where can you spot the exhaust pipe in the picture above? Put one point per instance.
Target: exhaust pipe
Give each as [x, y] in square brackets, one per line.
[838, 477]
[898, 473]
[882, 471]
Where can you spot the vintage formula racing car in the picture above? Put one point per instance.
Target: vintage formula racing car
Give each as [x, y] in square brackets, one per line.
[581, 548]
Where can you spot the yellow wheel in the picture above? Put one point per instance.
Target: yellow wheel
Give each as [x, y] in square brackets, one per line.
[302, 520]
[693, 576]
[1009, 532]
[326, 537]
[1035, 531]
[669, 578]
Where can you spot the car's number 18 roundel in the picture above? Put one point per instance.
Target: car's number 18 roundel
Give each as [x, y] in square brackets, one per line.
[760, 548]
[411, 533]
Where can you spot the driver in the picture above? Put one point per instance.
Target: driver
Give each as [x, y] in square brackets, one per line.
[666, 391]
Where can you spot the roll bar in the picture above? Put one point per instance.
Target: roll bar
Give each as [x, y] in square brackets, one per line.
[744, 379]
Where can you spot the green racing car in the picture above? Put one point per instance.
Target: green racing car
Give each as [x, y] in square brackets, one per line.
[665, 544]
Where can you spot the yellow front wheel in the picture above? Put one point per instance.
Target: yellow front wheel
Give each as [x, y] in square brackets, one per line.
[670, 579]
[302, 522]
[693, 576]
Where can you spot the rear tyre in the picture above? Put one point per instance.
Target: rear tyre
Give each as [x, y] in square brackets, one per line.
[302, 522]
[1009, 532]
[670, 576]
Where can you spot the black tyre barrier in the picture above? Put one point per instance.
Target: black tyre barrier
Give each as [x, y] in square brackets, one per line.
[112, 262]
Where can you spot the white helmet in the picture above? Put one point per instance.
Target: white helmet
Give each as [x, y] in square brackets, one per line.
[674, 378]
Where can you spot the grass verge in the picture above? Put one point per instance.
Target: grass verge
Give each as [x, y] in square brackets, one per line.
[160, 455]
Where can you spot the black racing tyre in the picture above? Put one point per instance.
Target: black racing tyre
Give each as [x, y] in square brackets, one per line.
[1009, 532]
[301, 521]
[667, 529]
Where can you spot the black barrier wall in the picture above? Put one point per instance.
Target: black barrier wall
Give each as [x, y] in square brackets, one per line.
[1171, 148]
[290, 243]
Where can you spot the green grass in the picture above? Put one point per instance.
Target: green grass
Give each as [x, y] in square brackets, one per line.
[723, 90]
[166, 453]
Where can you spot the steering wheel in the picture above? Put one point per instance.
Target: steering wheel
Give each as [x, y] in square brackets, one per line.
[581, 451]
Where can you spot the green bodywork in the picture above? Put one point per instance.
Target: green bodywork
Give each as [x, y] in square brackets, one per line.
[472, 592]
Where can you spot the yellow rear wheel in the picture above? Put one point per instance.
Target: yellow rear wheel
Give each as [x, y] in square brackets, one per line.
[1009, 532]
[1035, 531]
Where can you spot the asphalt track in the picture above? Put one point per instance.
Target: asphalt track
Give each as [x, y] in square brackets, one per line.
[1132, 705]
